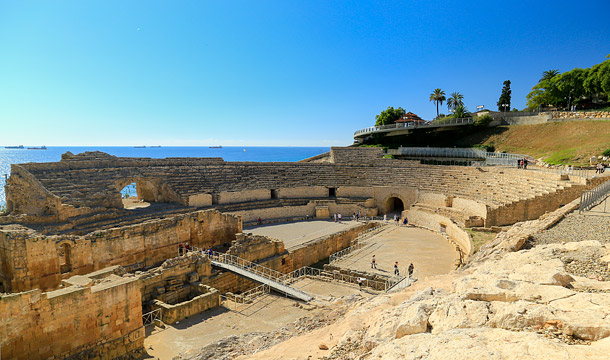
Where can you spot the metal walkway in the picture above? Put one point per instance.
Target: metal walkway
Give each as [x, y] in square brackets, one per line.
[261, 274]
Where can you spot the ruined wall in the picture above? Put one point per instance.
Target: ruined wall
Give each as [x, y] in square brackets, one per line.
[95, 321]
[31, 260]
[531, 209]
[208, 298]
[355, 154]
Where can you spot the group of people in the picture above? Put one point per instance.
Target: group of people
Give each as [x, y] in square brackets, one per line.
[396, 270]
[338, 217]
[183, 249]
[522, 163]
[356, 216]
[600, 168]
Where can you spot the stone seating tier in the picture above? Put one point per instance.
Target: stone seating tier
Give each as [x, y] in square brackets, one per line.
[87, 183]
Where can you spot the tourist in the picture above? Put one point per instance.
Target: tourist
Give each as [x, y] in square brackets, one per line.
[360, 283]
[180, 249]
[385, 218]
[358, 216]
[187, 247]
[396, 272]
[260, 221]
[210, 251]
[405, 222]
[519, 164]
[339, 217]
[397, 221]
[373, 263]
[525, 163]
[335, 217]
[410, 270]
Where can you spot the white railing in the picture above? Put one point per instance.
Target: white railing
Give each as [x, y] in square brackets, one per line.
[489, 158]
[414, 125]
[357, 243]
[249, 296]
[337, 276]
[588, 199]
[150, 317]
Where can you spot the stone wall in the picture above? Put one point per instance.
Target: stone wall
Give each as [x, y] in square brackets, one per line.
[208, 298]
[355, 154]
[526, 120]
[585, 115]
[31, 260]
[101, 320]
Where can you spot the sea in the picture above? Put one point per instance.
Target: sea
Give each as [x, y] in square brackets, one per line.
[228, 153]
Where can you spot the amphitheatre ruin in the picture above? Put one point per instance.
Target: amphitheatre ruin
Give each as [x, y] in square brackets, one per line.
[85, 276]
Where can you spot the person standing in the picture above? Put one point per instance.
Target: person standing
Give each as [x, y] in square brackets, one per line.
[360, 283]
[525, 163]
[335, 216]
[339, 217]
[411, 268]
[180, 249]
[385, 218]
[405, 222]
[396, 272]
[373, 263]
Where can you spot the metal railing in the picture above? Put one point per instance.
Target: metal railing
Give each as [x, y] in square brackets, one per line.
[415, 125]
[248, 296]
[357, 243]
[588, 199]
[567, 170]
[252, 267]
[150, 317]
[489, 158]
[337, 276]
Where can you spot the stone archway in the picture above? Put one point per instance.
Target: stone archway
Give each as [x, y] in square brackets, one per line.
[394, 204]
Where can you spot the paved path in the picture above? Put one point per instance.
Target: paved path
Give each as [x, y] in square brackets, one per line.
[430, 253]
[295, 233]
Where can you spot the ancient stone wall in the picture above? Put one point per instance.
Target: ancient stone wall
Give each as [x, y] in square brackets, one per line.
[208, 298]
[585, 115]
[355, 154]
[89, 321]
[31, 260]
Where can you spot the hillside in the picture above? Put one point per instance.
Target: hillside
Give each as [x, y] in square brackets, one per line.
[569, 142]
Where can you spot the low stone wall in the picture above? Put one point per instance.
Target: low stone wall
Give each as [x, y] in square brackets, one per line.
[208, 299]
[101, 321]
[442, 224]
[586, 115]
[526, 120]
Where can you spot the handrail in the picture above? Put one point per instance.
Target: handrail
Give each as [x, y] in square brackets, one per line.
[357, 244]
[589, 198]
[415, 125]
[150, 317]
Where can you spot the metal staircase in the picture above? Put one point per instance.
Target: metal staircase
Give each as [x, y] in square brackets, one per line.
[261, 274]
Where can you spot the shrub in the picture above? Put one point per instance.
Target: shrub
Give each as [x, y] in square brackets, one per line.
[606, 152]
[483, 121]
[388, 156]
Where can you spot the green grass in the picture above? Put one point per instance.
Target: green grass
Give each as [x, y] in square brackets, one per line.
[560, 157]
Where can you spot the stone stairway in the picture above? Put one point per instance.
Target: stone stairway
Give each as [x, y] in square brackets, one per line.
[261, 274]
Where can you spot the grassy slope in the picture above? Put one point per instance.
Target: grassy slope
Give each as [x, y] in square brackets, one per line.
[569, 142]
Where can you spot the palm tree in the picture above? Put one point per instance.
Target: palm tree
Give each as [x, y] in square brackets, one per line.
[455, 101]
[549, 74]
[438, 96]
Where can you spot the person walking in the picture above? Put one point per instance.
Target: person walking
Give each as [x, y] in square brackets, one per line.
[525, 163]
[360, 283]
[180, 249]
[373, 263]
[396, 272]
[339, 217]
[405, 222]
[411, 268]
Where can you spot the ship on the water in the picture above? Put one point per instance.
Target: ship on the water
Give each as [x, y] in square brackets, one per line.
[14, 147]
[38, 148]
[140, 147]
[215, 147]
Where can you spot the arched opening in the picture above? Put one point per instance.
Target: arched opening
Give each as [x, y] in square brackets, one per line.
[394, 206]
[132, 197]
[65, 262]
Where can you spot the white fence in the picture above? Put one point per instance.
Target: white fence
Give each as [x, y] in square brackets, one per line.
[413, 125]
[588, 199]
[150, 317]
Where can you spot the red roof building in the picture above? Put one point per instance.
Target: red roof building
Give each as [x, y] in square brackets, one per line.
[410, 117]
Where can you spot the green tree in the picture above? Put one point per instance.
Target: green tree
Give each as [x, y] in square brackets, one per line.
[455, 101]
[505, 97]
[389, 116]
[461, 112]
[549, 74]
[438, 96]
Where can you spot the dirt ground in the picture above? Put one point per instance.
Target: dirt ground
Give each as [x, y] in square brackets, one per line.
[295, 233]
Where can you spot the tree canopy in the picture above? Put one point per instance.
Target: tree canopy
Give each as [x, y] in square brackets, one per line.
[389, 116]
[456, 100]
[437, 96]
[577, 86]
[505, 97]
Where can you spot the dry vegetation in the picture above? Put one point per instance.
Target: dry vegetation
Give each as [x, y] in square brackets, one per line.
[569, 142]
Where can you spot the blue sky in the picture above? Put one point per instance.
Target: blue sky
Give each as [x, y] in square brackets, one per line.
[295, 73]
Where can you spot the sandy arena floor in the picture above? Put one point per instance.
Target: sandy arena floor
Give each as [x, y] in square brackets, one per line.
[430, 253]
[295, 233]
